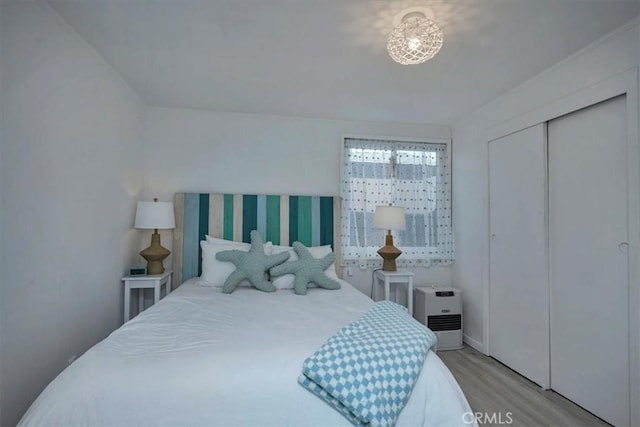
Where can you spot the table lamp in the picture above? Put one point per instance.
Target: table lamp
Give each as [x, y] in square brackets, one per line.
[153, 216]
[389, 218]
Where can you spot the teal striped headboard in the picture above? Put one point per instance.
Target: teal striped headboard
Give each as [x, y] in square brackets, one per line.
[312, 220]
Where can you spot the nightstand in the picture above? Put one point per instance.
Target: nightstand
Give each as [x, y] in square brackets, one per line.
[154, 281]
[388, 278]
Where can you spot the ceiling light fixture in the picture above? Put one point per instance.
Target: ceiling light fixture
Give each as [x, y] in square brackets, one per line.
[415, 40]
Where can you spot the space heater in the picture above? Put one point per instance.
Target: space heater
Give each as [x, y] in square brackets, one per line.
[440, 309]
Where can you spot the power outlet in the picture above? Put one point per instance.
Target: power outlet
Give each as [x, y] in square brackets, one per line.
[71, 359]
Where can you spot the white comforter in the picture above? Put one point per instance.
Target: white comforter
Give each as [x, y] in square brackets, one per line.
[203, 358]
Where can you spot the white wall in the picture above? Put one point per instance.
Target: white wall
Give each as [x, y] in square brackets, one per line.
[611, 55]
[205, 151]
[70, 175]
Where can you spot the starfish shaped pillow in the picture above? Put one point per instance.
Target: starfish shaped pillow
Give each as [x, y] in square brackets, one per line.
[251, 265]
[307, 269]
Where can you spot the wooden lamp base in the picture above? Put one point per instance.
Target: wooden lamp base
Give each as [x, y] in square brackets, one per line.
[389, 253]
[155, 254]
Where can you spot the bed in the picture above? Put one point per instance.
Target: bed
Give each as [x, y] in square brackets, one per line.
[201, 357]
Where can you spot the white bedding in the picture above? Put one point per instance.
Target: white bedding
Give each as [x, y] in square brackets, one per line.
[203, 358]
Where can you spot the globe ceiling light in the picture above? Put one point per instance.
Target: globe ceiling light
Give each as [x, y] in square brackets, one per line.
[415, 40]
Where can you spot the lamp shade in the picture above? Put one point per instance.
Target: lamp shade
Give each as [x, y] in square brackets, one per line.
[152, 215]
[389, 218]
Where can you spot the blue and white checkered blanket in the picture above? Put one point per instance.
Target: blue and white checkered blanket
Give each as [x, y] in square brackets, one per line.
[367, 369]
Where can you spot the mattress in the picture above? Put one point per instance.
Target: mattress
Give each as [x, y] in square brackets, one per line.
[203, 358]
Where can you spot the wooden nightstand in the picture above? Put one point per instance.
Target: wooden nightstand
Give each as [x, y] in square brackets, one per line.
[388, 278]
[141, 283]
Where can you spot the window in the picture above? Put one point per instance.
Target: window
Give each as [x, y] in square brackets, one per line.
[413, 175]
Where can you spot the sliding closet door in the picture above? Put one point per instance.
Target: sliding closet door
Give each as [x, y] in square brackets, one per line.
[519, 291]
[588, 260]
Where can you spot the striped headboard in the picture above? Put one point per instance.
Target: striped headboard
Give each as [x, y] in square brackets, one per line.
[312, 220]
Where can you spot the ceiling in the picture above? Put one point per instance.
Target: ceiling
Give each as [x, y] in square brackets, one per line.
[327, 58]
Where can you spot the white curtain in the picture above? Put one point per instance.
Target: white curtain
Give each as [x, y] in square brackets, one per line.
[412, 175]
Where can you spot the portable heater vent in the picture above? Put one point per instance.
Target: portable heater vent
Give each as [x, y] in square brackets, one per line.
[451, 322]
[441, 310]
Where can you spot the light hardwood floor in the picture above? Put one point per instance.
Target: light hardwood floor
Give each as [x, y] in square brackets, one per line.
[491, 388]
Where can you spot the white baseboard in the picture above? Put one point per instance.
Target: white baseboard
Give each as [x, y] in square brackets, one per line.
[475, 344]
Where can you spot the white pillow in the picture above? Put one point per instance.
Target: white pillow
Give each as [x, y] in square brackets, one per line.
[214, 271]
[217, 241]
[286, 281]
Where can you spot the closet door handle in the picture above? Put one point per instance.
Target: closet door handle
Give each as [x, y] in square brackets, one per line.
[493, 236]
[623, 247]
